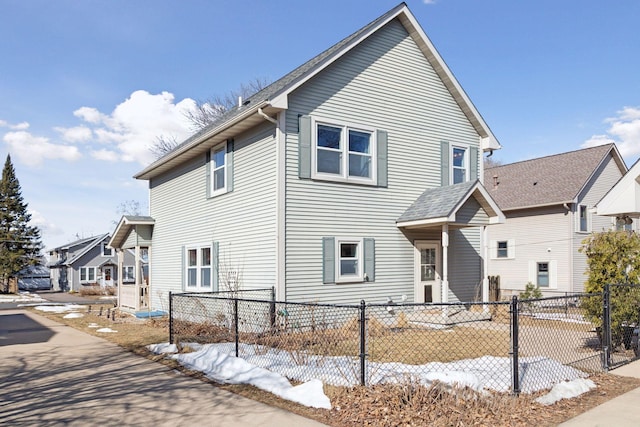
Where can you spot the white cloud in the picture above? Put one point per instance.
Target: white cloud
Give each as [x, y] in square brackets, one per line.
[34, 150]
[429, 1]
[135, 124]
[75, 134]
[624, 130]
[19, 126]
[45, 226]
[107, 155]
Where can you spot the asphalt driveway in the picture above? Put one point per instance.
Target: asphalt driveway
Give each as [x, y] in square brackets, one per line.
[52, 374]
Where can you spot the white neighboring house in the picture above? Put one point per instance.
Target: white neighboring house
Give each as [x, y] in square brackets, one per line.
[549, 207]
[358, 175]
[622, 201]
[87, 262]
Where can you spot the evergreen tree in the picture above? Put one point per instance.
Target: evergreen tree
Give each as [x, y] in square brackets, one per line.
[19, 242]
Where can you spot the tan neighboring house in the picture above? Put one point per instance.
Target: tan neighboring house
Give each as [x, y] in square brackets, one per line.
[549, 205]
[622, 201]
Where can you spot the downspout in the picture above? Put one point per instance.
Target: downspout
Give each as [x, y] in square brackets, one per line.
[266, 117]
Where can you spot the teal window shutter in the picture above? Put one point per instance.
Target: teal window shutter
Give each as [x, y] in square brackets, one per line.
[369, 259]
[328, 260]
[229, 165]
[304, 147]
[183, 265]
[208, 172]
[473, 163]
[445, 163]
[383, 168]
[215, 266]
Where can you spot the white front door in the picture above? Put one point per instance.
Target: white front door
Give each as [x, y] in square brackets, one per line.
[427, 271]
[107, 276]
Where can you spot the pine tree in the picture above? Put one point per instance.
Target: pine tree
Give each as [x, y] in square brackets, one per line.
[20, 243]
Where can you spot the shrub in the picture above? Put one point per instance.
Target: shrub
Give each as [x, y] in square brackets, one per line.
[531, 291]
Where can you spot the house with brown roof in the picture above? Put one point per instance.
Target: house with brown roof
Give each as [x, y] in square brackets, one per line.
[549, 205]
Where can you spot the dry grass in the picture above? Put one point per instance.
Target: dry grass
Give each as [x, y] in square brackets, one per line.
[406, 404]
[97, 290]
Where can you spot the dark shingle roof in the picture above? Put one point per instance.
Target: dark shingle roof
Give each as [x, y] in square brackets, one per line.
[546, 180]
[437, 202]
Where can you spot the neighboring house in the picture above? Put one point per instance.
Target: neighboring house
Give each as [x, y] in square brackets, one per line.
[356, 176]
[87, 262]
[548, 203]
[34, 277]
[622, 201]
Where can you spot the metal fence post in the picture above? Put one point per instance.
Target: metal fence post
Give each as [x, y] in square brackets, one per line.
[235, 324]
[606, 327]
[513, 310]
[272, 308]
[363, 347]
[170, 318]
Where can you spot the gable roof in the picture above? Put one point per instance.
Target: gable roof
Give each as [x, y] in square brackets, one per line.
[546, 181]
[439, 205]
[623, 199]
[127, 222]
[97, 240]
[274, 98]
[72, 244]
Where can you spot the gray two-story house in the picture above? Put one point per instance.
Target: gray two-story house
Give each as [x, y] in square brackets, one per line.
[358, 175]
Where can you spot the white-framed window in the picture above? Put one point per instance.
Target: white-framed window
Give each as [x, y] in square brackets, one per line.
[198, 268]
[128, 273]
[542, 274]
[106, 251]
[218, 166]
[502, 249]
[349, 261]
[87, 274]
[459, 164]
[583, 218]
[344, 152]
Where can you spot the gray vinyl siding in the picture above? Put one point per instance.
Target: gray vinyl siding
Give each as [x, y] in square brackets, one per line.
[472, 213]
[140, 235]
[385, 83]
[242, 222]
[604, 178]
[540, 235]
[465, 280]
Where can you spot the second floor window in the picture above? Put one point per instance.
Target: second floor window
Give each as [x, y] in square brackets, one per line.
[218, 169]
[459, 165]
[344, 153]
[584, 226]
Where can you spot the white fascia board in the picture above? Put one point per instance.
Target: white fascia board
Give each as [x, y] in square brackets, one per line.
[423, 222]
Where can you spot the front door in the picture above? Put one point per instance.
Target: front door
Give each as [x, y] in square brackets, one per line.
[427, 271]
[107, 276]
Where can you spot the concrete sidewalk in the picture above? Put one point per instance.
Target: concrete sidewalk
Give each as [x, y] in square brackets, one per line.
[622, 411]
[52, 374]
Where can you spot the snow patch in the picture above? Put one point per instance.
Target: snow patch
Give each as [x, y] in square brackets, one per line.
[58, 308]
[566, 390]
[105, 330]
[73, 315]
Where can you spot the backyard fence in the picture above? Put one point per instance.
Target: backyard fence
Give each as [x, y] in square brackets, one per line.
[516, 344]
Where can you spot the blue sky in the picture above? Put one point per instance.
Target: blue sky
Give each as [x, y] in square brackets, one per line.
[86, 86]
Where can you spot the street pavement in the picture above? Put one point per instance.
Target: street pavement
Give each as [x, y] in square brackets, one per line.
[52, 375]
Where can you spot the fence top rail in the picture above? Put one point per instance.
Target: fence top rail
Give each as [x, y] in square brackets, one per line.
[263, 301]
[626, 285]
[565, 297]
[239, 291]
[435, 304]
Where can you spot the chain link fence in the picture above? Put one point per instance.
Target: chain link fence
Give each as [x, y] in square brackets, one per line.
[510, 345]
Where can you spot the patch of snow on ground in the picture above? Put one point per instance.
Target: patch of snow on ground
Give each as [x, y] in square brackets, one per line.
[566, 390]
[94, 325]
[268, 369]
[58, 308]
[73, 315]
[105, 330]
[21, 297]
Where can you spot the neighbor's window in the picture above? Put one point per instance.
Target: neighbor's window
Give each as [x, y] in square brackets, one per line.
[127, 273]
[543, 274]
[349, 260]
[503, 249]
[583, 218]
[218, 169]
[106, 251]
[198, 268]
[87, 274]
[344, 153]
[459, 165]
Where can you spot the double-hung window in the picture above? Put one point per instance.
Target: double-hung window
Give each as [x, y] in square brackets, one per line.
[218, 169]
[127, 273]
[198, 268]
[106, 251]
[503, 249]
[459, 164]
[349, 260]
[542, 277]
[583, 219]
[87, 274]
[344, 153]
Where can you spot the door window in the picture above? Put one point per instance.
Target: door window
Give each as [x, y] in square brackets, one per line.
[427, 264]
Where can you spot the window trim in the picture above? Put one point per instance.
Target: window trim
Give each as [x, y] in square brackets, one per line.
[493, 249]
[87, 279]
[198, 268]
[212, 176]
[587, 219]
[103, 247]
[466, 166]
[502, 253]
[344, 151]
[359, 276]
[548, 274]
